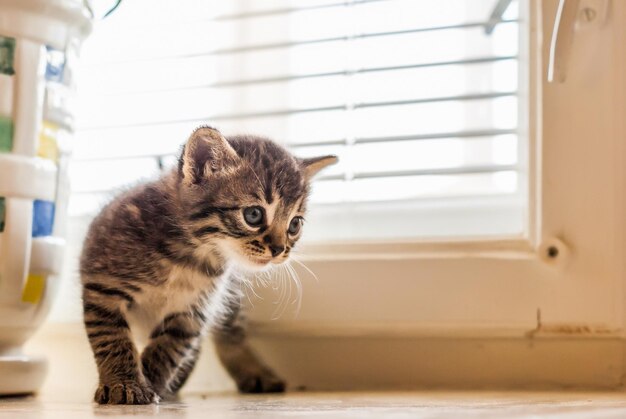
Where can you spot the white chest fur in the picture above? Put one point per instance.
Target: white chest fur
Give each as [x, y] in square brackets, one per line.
[183, 289]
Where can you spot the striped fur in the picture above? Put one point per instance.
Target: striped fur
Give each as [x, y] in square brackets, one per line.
[156, 261]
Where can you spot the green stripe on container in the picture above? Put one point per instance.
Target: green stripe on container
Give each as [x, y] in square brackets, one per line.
[7, 54]
[3, 214]
[6, 134]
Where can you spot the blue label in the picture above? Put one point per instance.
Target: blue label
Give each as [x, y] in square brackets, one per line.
[55, 65]
[43, 218]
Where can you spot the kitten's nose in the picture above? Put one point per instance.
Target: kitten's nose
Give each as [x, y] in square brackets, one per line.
[276, 250]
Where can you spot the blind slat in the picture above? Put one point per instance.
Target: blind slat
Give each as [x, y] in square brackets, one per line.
[464, 170]
[297, 77]
[414, 48]
[294, 111]
[361, 140]
[291, 44]
[287, 10]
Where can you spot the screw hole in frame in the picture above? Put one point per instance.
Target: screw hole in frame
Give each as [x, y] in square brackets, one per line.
[553, 252]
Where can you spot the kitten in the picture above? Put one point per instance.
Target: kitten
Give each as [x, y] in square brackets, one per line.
[156, 262]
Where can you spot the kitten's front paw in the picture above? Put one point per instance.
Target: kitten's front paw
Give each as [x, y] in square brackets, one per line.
[261, 382]
[128, 392]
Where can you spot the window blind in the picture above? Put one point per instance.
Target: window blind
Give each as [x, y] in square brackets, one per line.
[419, 99]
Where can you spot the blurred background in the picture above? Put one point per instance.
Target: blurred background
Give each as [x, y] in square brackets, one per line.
[419, 99]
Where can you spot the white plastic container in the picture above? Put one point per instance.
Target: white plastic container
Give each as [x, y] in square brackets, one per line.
[39, 42]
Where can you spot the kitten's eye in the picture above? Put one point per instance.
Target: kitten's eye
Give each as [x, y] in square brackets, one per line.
[294, 226]
[253, 216]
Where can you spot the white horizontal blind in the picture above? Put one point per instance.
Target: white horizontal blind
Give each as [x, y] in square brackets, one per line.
[420, 104]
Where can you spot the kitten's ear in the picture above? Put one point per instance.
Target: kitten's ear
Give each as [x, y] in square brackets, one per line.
[206, 153]
[313, 165]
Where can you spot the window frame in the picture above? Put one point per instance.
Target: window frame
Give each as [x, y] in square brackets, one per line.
[508, 285]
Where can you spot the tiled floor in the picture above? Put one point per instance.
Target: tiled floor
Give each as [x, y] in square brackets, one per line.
[341, 405]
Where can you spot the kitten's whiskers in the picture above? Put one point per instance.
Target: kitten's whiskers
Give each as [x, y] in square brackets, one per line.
[296, 279]
[294, 257]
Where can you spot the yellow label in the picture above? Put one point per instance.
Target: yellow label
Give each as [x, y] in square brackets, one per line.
[33, 291]
[48, 148]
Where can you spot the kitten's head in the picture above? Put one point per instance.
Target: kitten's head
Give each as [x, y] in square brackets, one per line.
[245, 195]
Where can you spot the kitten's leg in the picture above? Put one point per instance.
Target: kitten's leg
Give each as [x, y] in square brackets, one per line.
[250, 374]
[173, 350]
[121, 381]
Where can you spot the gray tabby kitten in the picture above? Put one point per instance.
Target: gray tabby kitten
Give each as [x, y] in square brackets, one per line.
[156, 262]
